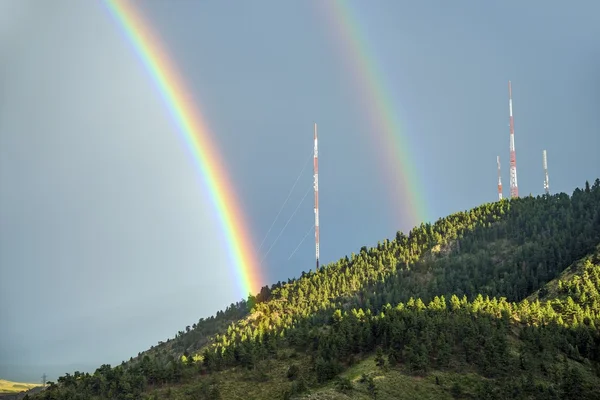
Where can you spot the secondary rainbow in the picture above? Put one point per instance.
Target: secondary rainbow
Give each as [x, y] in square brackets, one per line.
[385, 126]
[197, 137]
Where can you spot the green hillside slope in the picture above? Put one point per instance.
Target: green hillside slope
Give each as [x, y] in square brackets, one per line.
[15, 387]
[550, 343]
[444, 310]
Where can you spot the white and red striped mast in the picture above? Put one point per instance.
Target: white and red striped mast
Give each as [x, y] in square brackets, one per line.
[316, 186]
[499, 179]
[514, 189]
[546, 183]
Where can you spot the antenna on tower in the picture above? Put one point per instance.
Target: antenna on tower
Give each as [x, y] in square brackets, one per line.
[514, 189]
[499, 179]
[546, 183]
[316, 186]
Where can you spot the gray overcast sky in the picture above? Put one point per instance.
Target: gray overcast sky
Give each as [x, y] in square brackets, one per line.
[108, 239]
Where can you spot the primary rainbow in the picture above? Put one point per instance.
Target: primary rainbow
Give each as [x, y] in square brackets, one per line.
[380, 109]
[196, 134]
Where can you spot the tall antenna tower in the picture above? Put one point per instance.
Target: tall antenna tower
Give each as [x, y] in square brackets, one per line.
[499, 179]
[514, 189]
[316, 186]
[546, 184]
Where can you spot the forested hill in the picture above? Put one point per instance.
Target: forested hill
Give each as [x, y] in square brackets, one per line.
[447, 301]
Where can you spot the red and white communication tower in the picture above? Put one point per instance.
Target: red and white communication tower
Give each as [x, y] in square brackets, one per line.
[514, 189]
[499, 179]
[316, 186]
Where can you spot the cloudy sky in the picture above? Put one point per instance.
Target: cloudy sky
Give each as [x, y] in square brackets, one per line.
[108, 238]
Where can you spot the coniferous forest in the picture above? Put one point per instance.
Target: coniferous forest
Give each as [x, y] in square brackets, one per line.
[499, 302]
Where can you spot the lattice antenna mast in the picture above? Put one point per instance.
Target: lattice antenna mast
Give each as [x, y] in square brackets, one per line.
[546, 183]
[499, 179]
[514, 189]
[316, 186]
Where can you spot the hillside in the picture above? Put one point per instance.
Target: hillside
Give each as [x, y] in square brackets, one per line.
[8, 387]
[446, 311]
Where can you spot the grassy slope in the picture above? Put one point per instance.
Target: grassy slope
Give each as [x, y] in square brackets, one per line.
[15, 387]
[240, 384]
[269, 381]
[394, 383]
